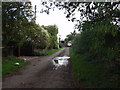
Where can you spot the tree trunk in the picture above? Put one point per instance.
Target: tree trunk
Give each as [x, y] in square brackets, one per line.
[12, 50]
[18, 51]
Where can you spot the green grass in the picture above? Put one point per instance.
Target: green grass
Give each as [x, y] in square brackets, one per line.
[8, 65]
[52, 51]
[49, 52]
[93, 75]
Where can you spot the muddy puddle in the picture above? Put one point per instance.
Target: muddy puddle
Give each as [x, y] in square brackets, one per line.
[60, 61]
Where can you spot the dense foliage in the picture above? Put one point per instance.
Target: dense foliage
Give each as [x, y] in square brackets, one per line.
[71, 36]
[95, 50]
[98, 23]
[53, 31]
[21, 35]
[98, 43]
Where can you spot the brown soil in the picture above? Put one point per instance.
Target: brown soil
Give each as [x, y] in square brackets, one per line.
[40, 73]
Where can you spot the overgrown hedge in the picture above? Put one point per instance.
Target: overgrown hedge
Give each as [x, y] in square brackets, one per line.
[99, 41]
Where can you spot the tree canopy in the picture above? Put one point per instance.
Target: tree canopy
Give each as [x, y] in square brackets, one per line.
[99, 26]
[19, 30]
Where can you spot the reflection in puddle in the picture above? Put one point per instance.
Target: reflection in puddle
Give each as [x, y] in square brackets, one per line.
[60, 61]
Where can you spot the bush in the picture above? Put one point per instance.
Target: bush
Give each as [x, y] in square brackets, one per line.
[95, 53]
[94, 75]
[97, 42]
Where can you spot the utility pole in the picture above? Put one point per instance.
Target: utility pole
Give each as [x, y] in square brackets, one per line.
[35, 13]
[59, 38]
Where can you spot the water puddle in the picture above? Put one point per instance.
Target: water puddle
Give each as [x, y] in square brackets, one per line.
[60, 61]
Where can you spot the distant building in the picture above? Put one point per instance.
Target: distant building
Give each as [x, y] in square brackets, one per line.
[69, 44]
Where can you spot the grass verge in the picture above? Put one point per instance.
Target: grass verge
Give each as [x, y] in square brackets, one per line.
[94, 75]
[49, 52]
[8, 65]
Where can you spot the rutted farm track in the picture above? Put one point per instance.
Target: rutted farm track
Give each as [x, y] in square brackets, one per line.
[40, 73]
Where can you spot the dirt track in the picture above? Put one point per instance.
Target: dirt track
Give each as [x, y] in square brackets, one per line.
[40, 73]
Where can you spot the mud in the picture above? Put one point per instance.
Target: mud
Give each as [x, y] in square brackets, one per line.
[40, 73]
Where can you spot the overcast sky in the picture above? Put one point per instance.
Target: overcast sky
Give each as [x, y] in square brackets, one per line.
[55, 17]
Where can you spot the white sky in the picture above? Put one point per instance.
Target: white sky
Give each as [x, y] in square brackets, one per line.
[55, 17]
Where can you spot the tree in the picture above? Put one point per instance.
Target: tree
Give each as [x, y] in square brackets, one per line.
[98, 23]
[88, 11]
[41, 37]
[53, 31]
[15, 15]
[70, 37]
